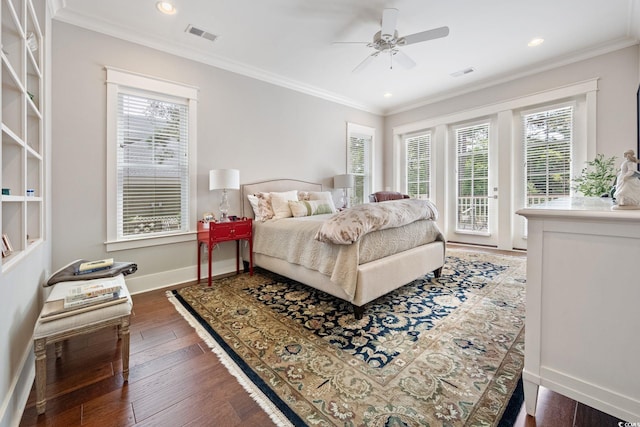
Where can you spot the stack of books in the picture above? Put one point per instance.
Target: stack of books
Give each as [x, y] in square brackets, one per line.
[91, 293]
[85, 297]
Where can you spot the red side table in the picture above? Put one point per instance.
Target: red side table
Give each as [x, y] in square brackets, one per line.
[219, 232]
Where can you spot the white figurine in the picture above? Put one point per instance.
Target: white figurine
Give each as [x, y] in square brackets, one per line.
[627, 192]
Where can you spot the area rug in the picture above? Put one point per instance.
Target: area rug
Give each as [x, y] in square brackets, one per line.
[436, 352]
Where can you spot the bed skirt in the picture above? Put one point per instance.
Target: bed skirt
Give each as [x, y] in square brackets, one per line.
[375, 278]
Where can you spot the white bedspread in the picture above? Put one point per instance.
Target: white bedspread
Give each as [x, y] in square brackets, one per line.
[348, 226]
[292, 239]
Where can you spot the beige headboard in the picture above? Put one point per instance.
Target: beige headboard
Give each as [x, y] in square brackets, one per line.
[273, 185]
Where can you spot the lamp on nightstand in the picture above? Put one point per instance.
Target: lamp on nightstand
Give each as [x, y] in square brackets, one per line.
[343, 181]
[224, 179]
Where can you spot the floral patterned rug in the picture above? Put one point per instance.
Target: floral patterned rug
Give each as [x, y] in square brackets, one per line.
[436, 352]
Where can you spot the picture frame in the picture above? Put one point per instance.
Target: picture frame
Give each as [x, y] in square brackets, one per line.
[7, 247]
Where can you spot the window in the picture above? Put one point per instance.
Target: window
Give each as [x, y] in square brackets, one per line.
[418, 166]
[472, 158]
[359, 161]
[547, 149]
[151, 146]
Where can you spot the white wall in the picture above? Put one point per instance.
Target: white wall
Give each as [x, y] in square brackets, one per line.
[263, 130]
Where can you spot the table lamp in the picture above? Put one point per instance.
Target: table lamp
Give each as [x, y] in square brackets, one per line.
[224, 179]
[343, 181]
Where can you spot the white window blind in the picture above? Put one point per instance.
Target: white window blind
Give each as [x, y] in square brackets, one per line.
[152, 166]
[359, 164]
[418, 167]
[472, 155]
[547, 148]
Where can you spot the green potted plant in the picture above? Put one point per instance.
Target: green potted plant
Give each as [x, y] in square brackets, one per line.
[597, 178]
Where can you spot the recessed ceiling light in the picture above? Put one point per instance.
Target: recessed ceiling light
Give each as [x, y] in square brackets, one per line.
[388, 95]
[535, 42]
[166, 7]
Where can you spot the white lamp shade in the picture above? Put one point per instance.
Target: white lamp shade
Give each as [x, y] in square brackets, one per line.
[220, 179]
[343, 181]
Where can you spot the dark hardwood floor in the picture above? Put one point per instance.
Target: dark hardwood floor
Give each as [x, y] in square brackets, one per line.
[176, 380]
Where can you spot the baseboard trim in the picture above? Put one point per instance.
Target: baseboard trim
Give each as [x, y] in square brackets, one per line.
[150, 282]
[16, 399]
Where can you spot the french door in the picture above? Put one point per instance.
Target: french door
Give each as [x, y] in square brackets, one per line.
[472, 213]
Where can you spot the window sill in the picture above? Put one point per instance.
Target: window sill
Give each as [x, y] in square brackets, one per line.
[473, 233]
[144, 242]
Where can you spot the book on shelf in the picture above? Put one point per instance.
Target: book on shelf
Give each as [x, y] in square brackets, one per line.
[55, 309]
[89, 290]
[91, 266]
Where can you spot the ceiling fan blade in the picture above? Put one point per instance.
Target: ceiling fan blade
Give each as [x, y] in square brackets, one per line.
[361, 66]
[389, 20]
[403, 59]
[351, 43]
[423, 36]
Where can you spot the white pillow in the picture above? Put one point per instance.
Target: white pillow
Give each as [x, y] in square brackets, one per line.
[253, 201]
[280, 203]
[325, 196]
[310, 207]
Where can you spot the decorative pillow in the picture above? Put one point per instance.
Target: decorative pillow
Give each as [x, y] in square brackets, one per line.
[280, 203]
[303, 195]
[325, 196]
[253, 201]
[310, 207]
[265, 211]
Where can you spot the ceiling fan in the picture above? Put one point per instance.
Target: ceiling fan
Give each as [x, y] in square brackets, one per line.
[387, 41]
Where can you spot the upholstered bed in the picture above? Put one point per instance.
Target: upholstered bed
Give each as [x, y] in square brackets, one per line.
[374, 265]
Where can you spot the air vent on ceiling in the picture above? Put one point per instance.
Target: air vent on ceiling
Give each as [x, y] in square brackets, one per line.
[201, 33]
[463, 72]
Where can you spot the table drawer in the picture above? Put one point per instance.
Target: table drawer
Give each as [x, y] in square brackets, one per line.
[231, 230]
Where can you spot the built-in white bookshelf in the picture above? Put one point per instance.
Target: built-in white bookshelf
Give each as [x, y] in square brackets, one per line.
[22, 154]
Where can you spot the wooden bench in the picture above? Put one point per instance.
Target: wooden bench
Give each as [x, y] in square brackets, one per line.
[78, 322]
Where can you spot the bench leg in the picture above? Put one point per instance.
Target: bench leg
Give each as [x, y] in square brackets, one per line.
[58, 347]
[39, 348]
[124, 335]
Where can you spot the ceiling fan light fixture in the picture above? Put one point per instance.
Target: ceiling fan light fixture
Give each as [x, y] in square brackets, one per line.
[535, 42]
[388, 41]
[166, 7]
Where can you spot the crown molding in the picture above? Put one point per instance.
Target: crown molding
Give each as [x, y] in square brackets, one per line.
[114, 29]
[507, 77]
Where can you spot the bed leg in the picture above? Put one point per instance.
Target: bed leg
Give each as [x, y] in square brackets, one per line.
[358, 311]
[437, 272]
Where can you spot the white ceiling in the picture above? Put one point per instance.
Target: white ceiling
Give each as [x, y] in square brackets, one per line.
[290, 42]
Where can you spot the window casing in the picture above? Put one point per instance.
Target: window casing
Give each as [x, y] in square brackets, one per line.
[418, 165]
[360, 140]
[151, 140]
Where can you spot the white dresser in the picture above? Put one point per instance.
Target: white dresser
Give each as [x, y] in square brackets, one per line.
[582, 333]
